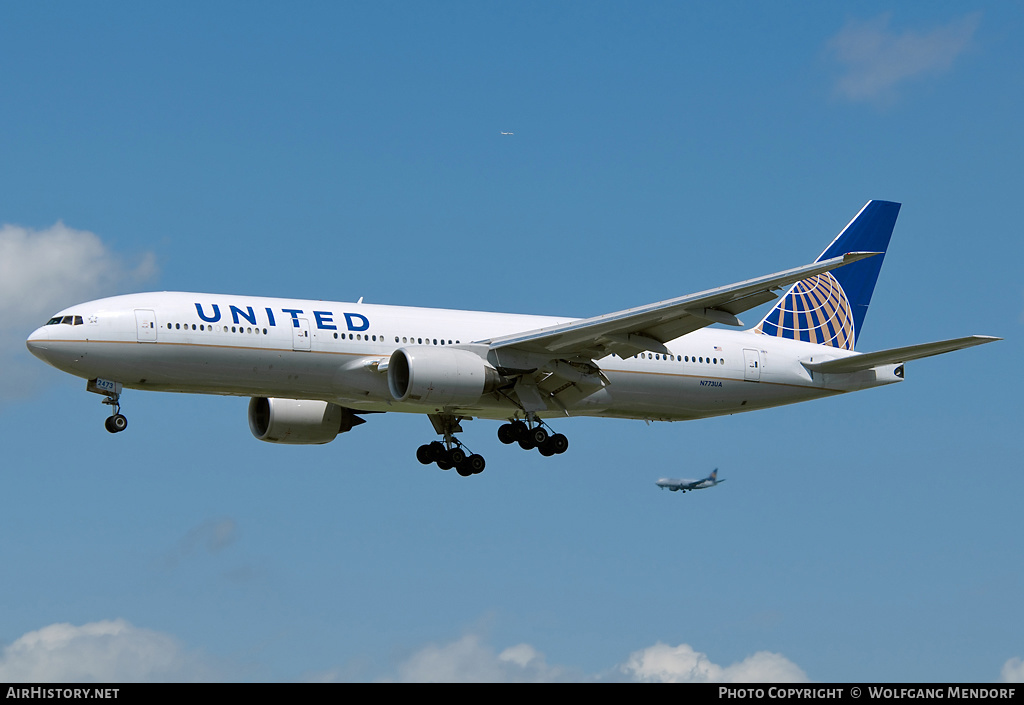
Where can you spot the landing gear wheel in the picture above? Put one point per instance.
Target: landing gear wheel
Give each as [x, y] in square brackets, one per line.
[425, 454]
[506, 434]
[559, 443]
[116, 423]
[476, 463]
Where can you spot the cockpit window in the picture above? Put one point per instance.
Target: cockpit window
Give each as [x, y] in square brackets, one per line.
[67, 320]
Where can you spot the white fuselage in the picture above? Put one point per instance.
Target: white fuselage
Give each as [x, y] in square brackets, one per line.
[338, 352]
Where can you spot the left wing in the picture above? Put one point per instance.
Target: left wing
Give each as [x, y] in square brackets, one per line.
[649, 327]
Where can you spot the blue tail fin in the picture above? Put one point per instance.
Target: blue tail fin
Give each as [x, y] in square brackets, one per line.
[829, 309]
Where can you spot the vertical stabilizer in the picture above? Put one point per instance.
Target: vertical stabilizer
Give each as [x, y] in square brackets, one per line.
[829, 308]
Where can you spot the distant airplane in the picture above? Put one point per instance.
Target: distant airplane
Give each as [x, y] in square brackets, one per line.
[684, 485]
[313, 367]
[508, 133]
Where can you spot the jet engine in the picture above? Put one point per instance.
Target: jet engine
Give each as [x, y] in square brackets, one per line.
[299, 421]
[440, 376]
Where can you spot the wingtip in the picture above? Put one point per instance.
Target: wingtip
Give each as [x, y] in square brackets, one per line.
[855, 256]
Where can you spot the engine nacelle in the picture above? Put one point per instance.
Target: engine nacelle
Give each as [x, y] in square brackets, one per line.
[298, 421]
[440, 376]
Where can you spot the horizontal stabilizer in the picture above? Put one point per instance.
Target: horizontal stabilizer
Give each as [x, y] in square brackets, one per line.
[855, 363]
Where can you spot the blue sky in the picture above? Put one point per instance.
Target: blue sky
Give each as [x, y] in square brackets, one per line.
[334, 151]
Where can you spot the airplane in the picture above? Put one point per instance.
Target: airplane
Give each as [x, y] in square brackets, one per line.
[508, 133]
[313, 369]
[686, 485]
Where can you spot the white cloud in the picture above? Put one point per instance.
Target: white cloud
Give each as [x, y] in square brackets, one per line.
[467, 660]
[116, 651]
[877, 59]
[1013, 671]
[109, 651]
[470, 660]
[43, 271]
[682, 664]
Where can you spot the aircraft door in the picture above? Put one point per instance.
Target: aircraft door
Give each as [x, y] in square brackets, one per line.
[145, 323]
[751, 365]
[300, 334]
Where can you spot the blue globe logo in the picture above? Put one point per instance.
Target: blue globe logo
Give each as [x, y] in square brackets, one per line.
[815, 310]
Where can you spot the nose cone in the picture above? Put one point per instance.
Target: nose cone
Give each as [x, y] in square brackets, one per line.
[37, 342]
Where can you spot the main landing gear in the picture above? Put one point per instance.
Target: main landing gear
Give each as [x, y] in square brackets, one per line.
[533, 435]
[451, 453]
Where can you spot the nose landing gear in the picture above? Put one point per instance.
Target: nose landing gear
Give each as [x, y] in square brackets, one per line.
[117, 421]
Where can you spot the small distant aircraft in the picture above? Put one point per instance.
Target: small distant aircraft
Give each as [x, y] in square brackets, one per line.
[684, 485]
[508, 133]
